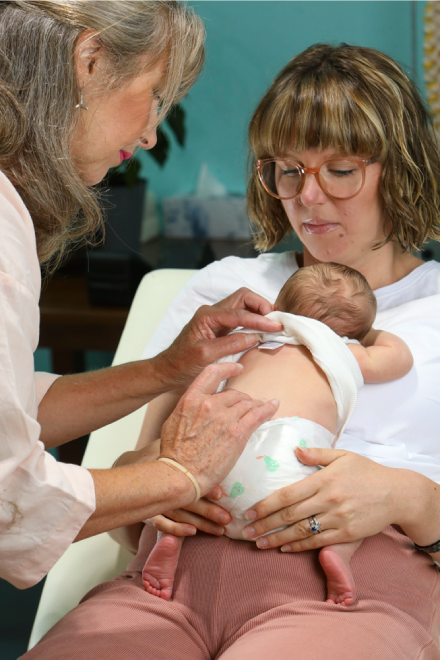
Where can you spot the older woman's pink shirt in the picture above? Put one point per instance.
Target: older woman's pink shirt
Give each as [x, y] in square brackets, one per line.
[43, 503]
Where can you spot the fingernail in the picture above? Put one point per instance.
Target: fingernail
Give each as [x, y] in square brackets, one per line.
[262, 543]
[304, 450]
[263, 400]
[249, 532]
[250, 515]
[286, 548]
[216, 493]
[218, 529]
[276, 402]
[251, 339]
[190, 531]
[223, 518]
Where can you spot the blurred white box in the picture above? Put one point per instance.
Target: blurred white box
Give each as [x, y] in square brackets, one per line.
[216, 217]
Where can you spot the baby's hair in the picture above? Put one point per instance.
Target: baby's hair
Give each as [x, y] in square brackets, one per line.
[336, 295]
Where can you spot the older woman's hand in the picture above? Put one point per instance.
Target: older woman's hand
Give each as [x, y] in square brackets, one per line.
[351, 498]
[207, 432]
[204, 339]
[203, 515]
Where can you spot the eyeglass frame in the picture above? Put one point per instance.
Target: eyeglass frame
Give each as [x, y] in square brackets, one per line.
[361, 162]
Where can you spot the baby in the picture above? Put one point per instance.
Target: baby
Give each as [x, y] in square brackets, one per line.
[327, 350]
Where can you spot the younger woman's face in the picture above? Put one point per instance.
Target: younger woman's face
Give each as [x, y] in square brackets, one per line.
[337, 230]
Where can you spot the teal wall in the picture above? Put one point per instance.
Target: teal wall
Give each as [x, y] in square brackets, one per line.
[247, 44]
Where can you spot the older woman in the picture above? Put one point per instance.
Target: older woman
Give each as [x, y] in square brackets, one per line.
[82, 85]
[343, 154]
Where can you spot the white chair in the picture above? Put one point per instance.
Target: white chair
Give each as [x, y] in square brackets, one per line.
[97, 559]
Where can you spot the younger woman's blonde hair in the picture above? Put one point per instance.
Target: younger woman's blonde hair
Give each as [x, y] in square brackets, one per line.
[39, 91]
[359, 102]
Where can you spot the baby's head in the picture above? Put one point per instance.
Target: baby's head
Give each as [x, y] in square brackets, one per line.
[336, 295]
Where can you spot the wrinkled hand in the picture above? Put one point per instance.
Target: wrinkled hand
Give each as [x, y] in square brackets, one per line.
[204, 339]
[207, 432]
[353, 497]
[202, 515]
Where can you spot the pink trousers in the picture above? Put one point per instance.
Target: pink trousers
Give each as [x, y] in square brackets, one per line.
[233, 601]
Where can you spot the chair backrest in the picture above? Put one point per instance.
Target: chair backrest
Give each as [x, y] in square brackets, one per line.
[97, 559]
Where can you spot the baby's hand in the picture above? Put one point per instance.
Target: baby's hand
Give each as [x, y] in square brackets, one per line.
[203, 515]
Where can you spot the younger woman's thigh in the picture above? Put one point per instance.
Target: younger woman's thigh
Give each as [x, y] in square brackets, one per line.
[232, 600]
[395, 617]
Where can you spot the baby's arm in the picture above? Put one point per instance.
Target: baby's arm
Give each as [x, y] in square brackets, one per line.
[383, 357]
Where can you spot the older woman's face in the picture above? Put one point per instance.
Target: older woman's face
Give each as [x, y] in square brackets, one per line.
[115, 123]
[336, 229]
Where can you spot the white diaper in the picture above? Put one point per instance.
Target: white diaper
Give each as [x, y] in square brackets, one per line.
[268, 463]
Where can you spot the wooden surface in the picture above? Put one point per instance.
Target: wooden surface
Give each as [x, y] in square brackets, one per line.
[68, 321]
[69, 326]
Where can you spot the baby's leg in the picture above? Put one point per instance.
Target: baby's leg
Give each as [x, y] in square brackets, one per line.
[159, 569]
[335, 561]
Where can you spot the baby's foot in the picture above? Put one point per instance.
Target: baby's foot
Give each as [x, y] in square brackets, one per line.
[335, 560]
[159, 569]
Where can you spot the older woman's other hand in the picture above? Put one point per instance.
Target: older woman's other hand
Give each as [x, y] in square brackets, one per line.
[203, 515]
[204, 339]
[351, 498]
[207, 432]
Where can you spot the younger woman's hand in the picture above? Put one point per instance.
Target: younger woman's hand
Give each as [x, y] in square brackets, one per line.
[352, 497]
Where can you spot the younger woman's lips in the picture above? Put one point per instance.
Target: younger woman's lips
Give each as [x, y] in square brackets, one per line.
[319, 228]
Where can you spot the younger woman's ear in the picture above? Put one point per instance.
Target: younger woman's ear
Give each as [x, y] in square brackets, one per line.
[88, 56]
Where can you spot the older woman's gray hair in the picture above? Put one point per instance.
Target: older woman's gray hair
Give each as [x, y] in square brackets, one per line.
[39, 91]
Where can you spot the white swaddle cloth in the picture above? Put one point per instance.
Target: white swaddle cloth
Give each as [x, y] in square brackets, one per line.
[329, 351]
[268, 461]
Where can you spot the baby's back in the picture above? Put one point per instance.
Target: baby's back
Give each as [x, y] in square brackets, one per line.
[289, 374]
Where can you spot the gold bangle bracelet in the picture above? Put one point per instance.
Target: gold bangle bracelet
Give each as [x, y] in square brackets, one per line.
[186, 472]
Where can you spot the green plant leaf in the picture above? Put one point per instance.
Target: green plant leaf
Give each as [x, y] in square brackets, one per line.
[176, 121]
[160, 151]
[124, 175]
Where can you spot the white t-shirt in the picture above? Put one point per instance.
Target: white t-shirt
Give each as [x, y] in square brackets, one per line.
[396, 424]
[43, 504]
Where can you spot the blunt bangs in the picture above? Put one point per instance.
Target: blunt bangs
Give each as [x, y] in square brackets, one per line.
[321, 113]
[360, 103]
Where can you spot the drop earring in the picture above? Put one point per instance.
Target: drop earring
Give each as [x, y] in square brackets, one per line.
[81, 105]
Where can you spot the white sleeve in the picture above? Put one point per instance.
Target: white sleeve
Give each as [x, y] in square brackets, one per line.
[43, 381]
[43, 503]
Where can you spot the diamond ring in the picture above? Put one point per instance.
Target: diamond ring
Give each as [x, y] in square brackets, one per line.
[315, 525]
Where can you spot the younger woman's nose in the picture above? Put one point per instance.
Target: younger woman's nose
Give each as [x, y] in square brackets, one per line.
[312, 193]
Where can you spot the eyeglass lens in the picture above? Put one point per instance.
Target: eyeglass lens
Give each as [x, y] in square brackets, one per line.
[339, 178]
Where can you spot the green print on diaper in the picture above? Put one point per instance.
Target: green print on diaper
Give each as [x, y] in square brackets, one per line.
[303, 443]
[237, 489]
[271, 465]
